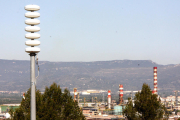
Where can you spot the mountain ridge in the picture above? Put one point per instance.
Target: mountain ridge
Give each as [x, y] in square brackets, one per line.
[15, 75]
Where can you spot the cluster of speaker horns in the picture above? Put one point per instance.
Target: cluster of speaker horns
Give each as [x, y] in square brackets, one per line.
[32, 28]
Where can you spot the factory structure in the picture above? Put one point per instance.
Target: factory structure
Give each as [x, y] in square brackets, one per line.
[100, 109]
[112, 109]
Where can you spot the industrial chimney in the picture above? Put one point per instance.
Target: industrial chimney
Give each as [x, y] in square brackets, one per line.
[109, 99]
[120, 94]
[75, 94]
[155, 80]
[24, 96]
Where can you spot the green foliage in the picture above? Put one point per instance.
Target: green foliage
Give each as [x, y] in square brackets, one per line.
[19, 114]
[52, 105]
[130, 111]
[11, 111]
[147, 106]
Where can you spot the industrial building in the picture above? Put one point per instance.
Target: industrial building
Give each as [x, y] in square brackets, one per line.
[4, 109]
[100, 109]
[111, 110]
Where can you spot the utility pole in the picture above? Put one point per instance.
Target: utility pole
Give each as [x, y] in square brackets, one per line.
[32, 50]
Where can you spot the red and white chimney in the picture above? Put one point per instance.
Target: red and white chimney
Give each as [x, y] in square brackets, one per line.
[75, 94]
[155, 80]
[109, 99]
[24, 96]
[120, 94]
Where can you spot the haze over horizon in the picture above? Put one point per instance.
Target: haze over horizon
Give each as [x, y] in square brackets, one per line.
[95, 30]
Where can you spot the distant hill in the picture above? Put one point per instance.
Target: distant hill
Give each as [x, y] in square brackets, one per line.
[15, 75]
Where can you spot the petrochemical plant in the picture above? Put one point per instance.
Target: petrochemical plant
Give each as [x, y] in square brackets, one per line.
[112, 109]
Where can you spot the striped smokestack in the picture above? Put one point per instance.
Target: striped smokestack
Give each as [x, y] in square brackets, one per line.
[75, 94]
[155, 80]
[120, 94]
[109, 99]
[24, 96]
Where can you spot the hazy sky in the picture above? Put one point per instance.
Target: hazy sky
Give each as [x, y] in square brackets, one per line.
[95, 30]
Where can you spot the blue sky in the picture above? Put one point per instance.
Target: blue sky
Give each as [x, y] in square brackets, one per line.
[95, 30]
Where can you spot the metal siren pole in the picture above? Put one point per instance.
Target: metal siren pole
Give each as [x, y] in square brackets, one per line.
[32, 50]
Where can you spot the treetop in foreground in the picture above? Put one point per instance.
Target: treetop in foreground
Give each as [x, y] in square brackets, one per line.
[147, 106]
[52, 105]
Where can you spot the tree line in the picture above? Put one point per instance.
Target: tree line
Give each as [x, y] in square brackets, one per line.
[57, 105]
[52, 105]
